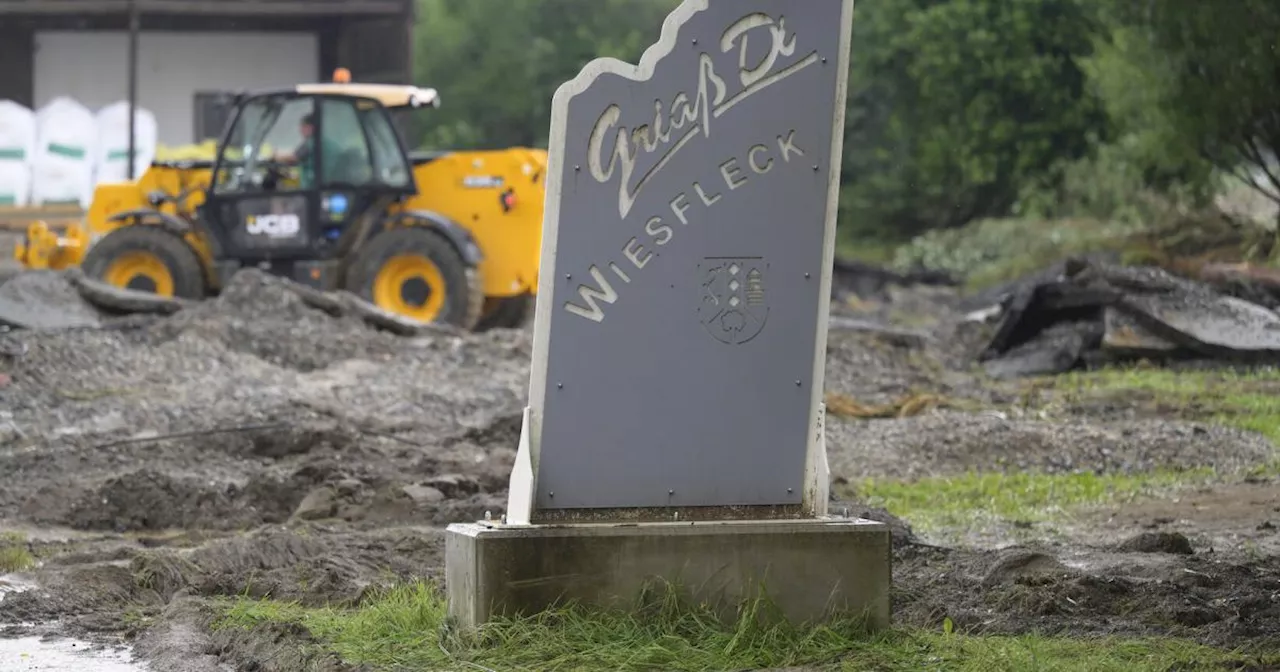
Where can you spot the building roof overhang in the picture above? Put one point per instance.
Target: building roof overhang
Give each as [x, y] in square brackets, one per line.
[238, 8]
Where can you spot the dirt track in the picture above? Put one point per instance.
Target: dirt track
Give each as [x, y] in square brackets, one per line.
[254, 445]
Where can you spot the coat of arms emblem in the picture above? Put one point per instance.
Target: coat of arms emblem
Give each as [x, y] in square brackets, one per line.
[733, 306]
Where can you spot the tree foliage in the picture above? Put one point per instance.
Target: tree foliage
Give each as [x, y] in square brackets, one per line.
[1222, 66]
[958, 109]
[955, 103]
[497, 63]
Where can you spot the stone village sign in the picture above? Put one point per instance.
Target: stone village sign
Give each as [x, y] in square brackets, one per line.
[680, 335]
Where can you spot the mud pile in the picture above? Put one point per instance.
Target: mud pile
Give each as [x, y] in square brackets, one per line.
[275, 442]
[1089, 592]
[262, 316]
[236, 411]
[139, 452]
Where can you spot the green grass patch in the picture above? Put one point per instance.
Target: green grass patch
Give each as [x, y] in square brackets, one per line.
[406, 629]
[14, 556]
[976, 499]
[1245, 399]
[982, 501]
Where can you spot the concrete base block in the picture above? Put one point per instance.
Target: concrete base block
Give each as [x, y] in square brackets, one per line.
[808, 568]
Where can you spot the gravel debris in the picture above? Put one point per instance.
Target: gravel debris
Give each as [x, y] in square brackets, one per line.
[948, 443]
[44, 300]
[258, 444]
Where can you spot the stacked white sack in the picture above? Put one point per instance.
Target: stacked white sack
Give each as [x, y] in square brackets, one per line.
[113, 142]
[17, 145]
[62, 170]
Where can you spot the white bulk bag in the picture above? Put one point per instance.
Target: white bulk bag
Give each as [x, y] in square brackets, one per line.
[17, 133]
[15, 184]
[59, 183]
[113, 142]
[67, 139]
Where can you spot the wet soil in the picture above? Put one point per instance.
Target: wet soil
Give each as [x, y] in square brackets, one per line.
[1242, 517]
[253, 445]
[1084, 591]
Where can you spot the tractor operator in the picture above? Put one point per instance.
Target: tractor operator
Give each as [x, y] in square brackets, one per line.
[304, 154]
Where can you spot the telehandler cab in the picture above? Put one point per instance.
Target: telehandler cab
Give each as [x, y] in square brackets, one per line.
[314, 183]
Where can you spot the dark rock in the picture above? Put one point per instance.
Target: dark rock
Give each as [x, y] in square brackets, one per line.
[1020, 565]
[318, 504]
[1157, 542]
[1055, 350]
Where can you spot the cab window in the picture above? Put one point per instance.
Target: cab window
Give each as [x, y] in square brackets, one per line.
[345, 160]
[390, 167]
[265, 128]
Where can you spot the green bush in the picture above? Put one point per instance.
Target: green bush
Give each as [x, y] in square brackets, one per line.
[994, 250]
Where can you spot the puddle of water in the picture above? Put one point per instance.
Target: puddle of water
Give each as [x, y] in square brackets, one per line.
[32, 654]
[8, 584]
[65, 655]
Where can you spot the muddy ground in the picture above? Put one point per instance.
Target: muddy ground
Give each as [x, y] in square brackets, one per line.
[252, 445]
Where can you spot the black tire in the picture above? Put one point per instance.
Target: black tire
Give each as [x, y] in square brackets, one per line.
[177, 256]
[463, 292]
[507, 312]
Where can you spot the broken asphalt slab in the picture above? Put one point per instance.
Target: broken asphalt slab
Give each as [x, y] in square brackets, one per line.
[1058, 319]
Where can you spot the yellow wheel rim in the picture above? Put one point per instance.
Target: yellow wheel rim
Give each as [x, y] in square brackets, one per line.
[410, 285]
[141, 271]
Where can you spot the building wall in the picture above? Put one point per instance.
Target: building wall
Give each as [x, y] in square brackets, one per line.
[376, 50]
[92, 67]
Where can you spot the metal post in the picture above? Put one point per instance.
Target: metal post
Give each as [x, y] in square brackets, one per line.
[134, 27]
[410, 23]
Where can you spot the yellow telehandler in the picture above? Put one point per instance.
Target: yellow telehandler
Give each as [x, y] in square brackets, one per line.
[314, 183]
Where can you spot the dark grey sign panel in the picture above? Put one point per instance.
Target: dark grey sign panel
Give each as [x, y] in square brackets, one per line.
[689, 249]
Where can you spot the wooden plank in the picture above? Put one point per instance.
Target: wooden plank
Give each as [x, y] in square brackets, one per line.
[57, 209]
[18, 218]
